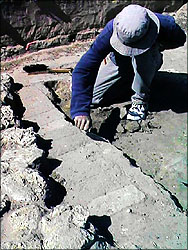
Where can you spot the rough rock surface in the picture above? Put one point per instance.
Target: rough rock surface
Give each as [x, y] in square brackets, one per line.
[61, 225]
[7, 119]
[20, 228]
[6, 86]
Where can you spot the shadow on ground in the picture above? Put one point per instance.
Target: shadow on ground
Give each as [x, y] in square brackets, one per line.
[55, 193]
[97, 233]
[169, 91]
[108, 127]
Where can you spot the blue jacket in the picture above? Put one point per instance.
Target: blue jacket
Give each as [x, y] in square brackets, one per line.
[85, 73]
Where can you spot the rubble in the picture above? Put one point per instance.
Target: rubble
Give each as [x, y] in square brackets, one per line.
[20, 228]
[16, 137]
[24, 186]
[61, 227]
[6, 86]
[7, 117]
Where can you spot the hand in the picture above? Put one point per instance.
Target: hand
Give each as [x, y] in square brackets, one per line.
[82, 122]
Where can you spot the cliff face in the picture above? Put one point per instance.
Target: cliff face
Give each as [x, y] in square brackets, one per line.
[63, 21]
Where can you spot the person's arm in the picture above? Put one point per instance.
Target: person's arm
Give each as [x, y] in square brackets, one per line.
[85, 73]
[171, 35]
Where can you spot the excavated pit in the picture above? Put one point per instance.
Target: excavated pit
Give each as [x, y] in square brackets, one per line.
[156, 146]
[54, 174]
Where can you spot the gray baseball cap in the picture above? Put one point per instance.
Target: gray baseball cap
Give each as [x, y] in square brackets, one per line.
[135, 29]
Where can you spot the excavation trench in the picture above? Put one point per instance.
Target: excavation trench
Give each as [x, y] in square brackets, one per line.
[146, 145]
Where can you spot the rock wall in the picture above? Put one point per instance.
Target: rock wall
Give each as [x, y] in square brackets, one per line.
[63, 21]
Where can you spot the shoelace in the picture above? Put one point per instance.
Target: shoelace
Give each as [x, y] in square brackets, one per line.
[140, 107]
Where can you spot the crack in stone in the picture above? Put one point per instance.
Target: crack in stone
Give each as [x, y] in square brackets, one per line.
[172, 196]
[56, 100]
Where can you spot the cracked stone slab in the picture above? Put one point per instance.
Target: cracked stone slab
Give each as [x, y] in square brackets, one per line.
[115, 201]
[99, 176]
[65, 138]
[149, 225]
[90, 171]
[37, 104]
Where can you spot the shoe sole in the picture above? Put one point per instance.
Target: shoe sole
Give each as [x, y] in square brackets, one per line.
[135, 118]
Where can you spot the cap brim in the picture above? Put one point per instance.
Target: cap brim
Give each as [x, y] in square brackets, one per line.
[143, 44]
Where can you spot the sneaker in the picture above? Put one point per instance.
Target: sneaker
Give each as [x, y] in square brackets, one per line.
[138, 111]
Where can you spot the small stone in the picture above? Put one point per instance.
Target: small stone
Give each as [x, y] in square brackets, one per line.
[154, 125]
[58, 176]
[120, 128]
[6, 85]
[123, 113]
[53, 175]
[132, 126]
[129, 210]
[106, 108]
[63, 224]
